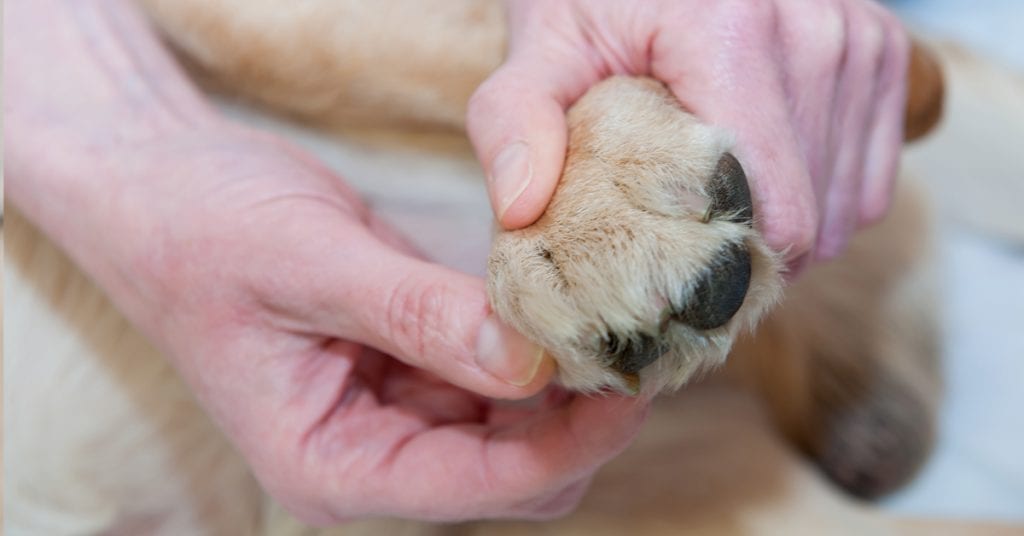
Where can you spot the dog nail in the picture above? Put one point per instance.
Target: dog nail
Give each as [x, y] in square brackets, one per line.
[730, 193]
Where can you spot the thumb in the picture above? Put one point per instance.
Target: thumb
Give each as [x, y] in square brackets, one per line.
[516, 122]
[425, 315]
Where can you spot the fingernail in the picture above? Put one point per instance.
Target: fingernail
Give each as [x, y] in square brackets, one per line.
[511, 173]
[506, 354]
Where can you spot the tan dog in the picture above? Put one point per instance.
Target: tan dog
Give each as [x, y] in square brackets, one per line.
[686, 254]
[847, 369]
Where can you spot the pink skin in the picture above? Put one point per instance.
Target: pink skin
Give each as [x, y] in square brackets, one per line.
[813, 90]
[344, 367]
[356, 388]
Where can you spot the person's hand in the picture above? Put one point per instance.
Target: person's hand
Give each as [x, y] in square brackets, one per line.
[349, 372]
[345, 368]
[813, 91]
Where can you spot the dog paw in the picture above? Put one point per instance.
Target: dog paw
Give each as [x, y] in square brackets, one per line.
[875, 446]
[646, 263]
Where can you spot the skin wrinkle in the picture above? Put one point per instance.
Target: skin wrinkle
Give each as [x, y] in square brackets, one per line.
[107, 31]
[406, 323]
[612, 59]
[343, 392]
[874, 206]
[853, 124]
[168, 103]
[831, 45]
[271, 455]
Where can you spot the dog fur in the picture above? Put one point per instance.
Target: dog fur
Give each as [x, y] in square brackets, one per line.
[358, 66]
[845, 364]
[622, 247]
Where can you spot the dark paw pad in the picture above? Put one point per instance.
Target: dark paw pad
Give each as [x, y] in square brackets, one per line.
[720, 291]
[874, 446]
[630, 355]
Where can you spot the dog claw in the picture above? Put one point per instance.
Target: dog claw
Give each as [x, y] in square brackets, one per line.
[730, 193]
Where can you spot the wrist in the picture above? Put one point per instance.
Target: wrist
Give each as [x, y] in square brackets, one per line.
[86, 101]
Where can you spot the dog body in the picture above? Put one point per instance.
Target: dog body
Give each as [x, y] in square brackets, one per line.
[844, 366]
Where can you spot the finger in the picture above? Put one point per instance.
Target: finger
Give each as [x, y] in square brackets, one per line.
[516, 122]
[425, 315]
[490, 472]
[811, 79]
[742, 92]
[853, 114]
[886, 136]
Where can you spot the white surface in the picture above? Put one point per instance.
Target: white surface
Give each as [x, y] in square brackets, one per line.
[977, 470]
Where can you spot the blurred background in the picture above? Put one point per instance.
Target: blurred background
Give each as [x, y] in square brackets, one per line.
[978, 469]
[973, 167]
[992, 27]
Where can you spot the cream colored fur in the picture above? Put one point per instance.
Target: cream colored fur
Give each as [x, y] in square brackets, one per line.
[341, 63]
[102, 437]
[624, 241]
[409, 63]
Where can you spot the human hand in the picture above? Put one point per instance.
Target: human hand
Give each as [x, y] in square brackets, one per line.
[813, 91]
[332, 355]
[348, 371]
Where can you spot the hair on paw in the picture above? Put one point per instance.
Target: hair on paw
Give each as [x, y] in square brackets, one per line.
[646, 264]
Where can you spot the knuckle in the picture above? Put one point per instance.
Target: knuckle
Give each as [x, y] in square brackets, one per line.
[898, 49]
[500, 87]
[481, 104]
[832, 30]
[817, 37]
[757, 21]
[481, 99]
[875, 31]
[803, 238]
[494, 108]
[799, 236]
[873, 41]
[835, 33]
[412, 314]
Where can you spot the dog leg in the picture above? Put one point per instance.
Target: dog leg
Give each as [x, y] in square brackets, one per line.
[849, 364]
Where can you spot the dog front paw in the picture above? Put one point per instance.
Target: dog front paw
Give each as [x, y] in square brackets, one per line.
[646, 264]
